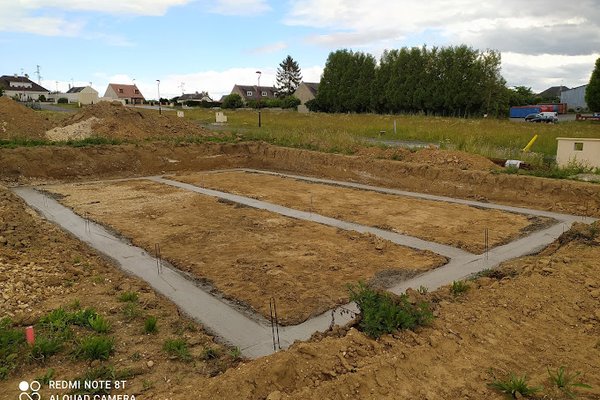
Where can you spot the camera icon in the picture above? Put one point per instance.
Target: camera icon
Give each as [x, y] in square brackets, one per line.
[33, 386]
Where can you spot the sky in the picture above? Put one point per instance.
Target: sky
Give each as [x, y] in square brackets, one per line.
[211, 45]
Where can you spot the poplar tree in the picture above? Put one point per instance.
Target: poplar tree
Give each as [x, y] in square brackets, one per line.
[592, 92]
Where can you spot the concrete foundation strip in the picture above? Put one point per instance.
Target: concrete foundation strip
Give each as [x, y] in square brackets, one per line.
[252, 333]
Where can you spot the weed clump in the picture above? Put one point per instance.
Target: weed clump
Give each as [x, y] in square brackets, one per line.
[177, 348]
[96, 348]
[566, 382]
[382, 313]
[150, 325]
[515, 386]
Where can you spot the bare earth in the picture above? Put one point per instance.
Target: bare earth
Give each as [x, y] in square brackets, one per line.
[452, 224]
[246, 254]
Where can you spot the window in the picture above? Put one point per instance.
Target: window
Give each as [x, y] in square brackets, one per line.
[264, 94]
[249, 93]
[120, 90]
[578, 146]
[137, 91]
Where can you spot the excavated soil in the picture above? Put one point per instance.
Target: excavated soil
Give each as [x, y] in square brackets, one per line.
[534, 314]
[18, 121]
[42, 268]
[248, 255]
[113, 120]
[451, 158]
[452, 224]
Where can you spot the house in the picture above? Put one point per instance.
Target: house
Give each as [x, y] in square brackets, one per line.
[82, 94]
[248, 93]
[581, 151]
[306, 91]
[22, 87]
[194, 97]
[575, 98]
[128, 93]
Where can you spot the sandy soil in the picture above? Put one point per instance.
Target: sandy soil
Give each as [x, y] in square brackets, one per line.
[18, 121]
[248, 255]
[42, 268]
[452, 224]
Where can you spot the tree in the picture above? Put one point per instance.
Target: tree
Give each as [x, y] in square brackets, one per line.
[592, 92]
[288, 77]
[1, 91]
[234, 100]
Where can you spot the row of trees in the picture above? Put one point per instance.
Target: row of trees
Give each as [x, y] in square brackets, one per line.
[457, 81]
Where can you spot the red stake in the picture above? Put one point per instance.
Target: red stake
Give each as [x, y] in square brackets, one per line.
[30, 335]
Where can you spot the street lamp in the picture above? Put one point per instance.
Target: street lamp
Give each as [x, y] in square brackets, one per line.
[158, 87]
[258, 94]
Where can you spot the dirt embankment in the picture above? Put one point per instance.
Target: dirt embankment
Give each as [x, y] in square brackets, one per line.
[113, 120]
[66, 163]
[18, 121]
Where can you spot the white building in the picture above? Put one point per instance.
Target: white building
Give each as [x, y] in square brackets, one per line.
[575, 98]
[581, 151]
[82, 94]
[22, 87]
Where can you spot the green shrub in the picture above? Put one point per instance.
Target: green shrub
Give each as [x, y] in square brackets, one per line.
[515, 386]
[96, 348]
[83, 317]
[233, 101]
[177, 348]
[290, 102]
[566, 382]
[381, 313]
[63, 100]
[210, 353]
[150, 325]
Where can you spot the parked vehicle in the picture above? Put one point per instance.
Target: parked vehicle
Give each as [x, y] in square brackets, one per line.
[548, 118]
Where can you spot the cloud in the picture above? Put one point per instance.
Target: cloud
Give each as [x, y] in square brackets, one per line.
[270, 48]
[545, 70]
[240, 7]
[131, 7]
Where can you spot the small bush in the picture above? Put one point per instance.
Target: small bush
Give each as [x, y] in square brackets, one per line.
[96, 348]
[381, 313]
[290, 102]
[177, 348]
[565, 382]
[128, 297]
[459, 288]
[235, 352]
[83, 317]
[150, 325]
[210, 353]
[233, 101]
[514, 386]
[63, 100]
[131, 311]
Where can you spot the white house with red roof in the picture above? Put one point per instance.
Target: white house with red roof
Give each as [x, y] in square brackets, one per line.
[128, 93]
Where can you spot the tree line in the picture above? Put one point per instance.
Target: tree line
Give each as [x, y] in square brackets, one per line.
[449, 81]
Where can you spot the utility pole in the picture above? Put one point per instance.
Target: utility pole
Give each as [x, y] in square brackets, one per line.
[37, 71]
[158, 87]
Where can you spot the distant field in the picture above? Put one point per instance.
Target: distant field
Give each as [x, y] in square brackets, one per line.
[344, 132]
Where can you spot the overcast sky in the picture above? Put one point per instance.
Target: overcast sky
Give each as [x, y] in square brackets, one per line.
[211, 45]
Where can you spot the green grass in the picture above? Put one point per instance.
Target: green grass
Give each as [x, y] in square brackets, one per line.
[45, 347]
[95, 348]
[128, 297]
[150, 325]
[514, 386]
[12, 341]
[566, 382]
[177, 348]
[459, 288]
[99, 324]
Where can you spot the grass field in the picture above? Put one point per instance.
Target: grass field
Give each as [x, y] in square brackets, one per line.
[344, 132]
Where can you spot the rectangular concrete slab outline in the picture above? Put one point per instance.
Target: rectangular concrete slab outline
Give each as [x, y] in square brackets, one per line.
[253, 335]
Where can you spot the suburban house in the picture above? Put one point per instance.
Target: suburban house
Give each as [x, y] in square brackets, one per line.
[128, 93]
[82, 94]
[22, 88]
[306, 91]
[194, 97]
[248, 93]
[575, 98]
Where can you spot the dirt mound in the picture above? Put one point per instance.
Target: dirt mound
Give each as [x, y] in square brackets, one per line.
[119, 122]
[18, 121]
[451, 158]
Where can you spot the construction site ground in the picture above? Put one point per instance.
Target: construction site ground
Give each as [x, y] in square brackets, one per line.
[248, 255]
[534, 314]
[452, 224]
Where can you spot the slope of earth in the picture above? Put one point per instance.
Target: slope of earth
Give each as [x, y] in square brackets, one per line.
[451, 158]
[535, 313]
[113, 120]
[248, 255]
[43, 269]
[452, 224]
[18, 121]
